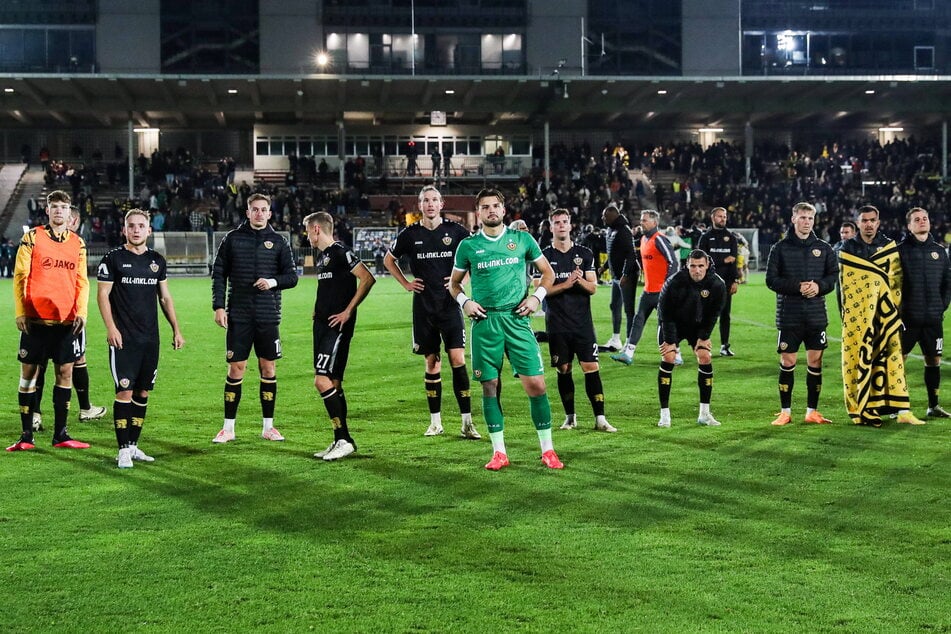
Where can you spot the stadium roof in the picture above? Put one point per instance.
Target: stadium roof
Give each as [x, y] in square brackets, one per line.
[568, 102]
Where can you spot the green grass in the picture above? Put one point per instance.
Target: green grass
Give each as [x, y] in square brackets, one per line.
[740, 528]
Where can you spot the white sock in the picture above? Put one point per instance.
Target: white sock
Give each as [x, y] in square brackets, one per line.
[467, 419]
[498, 441]
[435, 418]
[229, 425]
[268, 424]
[704, 409]
[809, 410]
[665, 413]
[629, 349]
[599, 420]
[544, 439]
[788, 410]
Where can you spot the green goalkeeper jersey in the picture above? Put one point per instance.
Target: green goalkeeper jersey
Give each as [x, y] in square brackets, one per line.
[496, 267]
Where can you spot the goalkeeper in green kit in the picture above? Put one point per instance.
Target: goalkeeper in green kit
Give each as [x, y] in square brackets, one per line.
[501, 309]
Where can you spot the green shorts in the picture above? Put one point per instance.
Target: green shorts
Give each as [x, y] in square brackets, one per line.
[500, 335]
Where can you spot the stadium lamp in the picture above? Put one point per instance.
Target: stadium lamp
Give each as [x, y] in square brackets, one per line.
[710, 130]
[322, 59]
[891, 129]
[146, 130]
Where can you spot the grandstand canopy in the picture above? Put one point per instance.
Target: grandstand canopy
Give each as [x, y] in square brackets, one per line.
[568, 102]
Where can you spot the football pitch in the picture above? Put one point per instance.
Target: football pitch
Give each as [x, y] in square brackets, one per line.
[745, 527]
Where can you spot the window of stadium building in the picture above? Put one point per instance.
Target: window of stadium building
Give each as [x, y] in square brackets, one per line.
[365, 145]
[66, 49]
[464, 53]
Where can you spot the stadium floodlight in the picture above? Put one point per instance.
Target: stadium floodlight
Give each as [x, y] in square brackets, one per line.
[891, 129]
[322, 59]
[710, 130]
[146, 130]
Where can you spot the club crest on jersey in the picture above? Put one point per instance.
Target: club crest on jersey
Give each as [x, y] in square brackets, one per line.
[816, 252]
[447, 240]
[153, 267]
[726, 238]
[123, 383]
[704, 293]
[783, 345]
[934, 255]
[577, 260]
[477, 373]
[230, 353]
[268, 244]
[510, 246]
[22, 353]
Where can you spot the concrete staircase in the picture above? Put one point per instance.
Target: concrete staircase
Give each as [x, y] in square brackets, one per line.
[17, 184]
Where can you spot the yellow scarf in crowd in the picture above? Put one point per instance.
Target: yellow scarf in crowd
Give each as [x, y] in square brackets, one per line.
[873, 370]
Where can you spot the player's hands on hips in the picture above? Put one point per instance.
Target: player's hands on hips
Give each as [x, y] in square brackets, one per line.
[221, 317]
[416, 286]
[78, 324]
[473, 310]
[338, 320]
[525, 306]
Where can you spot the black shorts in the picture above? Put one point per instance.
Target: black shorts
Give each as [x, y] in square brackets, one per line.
[930, 338]
[564, 346]
[790, 339]
[265, 338]
[134, 366]
[689, 335]
[56, 342]
[331, 349]
[431, 328]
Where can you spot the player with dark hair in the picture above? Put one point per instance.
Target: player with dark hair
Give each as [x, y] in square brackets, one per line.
[801, 270]
[132, 285]
[335, 316]
[255, 263]
[501, 309]
[721, 245]
[659, 262]
[568, 320]
[873, 368]
[430, 245]
[51, 301]
[687, 309]
[926, 292]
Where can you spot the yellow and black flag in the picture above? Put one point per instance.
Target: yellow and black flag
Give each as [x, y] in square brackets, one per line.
[873, 370]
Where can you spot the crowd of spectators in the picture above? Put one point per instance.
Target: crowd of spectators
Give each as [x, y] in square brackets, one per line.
[682, 180]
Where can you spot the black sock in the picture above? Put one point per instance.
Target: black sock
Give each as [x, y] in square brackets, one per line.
[61, 397]
[787, 379]
[566, 389]
[338, 419]
[433, 383]
[665, 376]
[26, 411]
[81, 385]
[232, 397]
[38, 392]
[268, 394]
[343, 400]
[932, 383]
[813, 386]
[460, 385]
[121, 416]
[137, 417]
[705, 382]
[592, 385]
